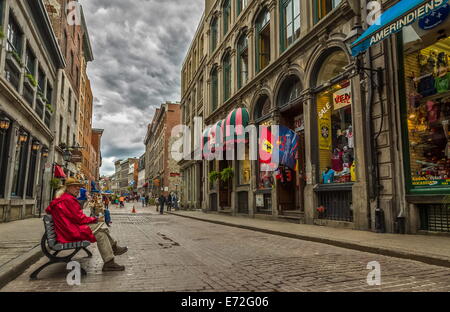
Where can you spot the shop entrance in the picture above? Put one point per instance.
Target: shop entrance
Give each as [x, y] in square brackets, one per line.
[291, 180]
[225, 187]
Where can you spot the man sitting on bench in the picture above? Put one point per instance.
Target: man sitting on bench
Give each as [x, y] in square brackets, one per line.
[72, 225]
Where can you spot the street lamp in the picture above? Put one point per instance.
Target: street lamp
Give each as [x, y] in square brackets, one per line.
[4, 123]
[44, 152]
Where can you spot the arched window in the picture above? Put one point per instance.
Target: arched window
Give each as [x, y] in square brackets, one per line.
[214, 34]
[226, 77]
[289, 91]
[323, 7]
[262, 40]
[262, 107]
[214, 89]
[241, 4]
[226, 16]
[242, 58]
[334, 120]
[290, 22]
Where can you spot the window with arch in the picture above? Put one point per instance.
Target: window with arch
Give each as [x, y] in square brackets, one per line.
[214, 89]
[214, 34]
[290, 22]
[334, 119]
[263, 40]
[323, 7]
[289, 91]
[226, 76]
[226, 16]
[241, 5]
[242, 59]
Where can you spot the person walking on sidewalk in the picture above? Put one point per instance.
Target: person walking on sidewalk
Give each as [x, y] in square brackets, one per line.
[161, 201]
[143, 200]
[72, 225]
[121, 201]
[82, 198]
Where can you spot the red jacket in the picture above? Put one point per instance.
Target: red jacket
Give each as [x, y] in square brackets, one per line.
[70, 221]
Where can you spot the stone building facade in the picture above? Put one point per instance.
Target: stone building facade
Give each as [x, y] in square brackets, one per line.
[30, 60]
[161, 170]
[289, 63]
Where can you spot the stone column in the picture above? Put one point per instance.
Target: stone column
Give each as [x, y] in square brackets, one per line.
[360, 188]
[310, 163]
[234, 73]
[251, 53]
[13, 139]
[274, 42]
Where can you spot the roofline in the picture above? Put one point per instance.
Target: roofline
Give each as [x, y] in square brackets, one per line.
[42, 20]
[89, 55]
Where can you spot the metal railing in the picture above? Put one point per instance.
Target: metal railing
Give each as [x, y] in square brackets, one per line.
[337, 204]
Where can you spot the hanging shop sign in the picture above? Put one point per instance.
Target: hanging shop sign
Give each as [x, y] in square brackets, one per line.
[325, 127]
[342, 98]
[393, 20]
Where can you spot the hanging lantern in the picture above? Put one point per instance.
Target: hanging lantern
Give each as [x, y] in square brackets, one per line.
[67, 155]
[44, 152]
[4, 123]
[23, 136]
[36, 145]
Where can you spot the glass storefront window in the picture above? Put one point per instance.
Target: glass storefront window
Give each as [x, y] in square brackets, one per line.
[244, 168]
[427, 88]
[336, 140]
[334, 119]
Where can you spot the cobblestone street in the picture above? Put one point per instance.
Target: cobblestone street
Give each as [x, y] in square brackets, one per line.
[171, 253]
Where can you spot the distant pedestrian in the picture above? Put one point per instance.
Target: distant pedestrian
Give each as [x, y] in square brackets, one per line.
[121, 201]
[143, 200]
[146, 200]
[106, 202]
[161, 201]
[82, 198]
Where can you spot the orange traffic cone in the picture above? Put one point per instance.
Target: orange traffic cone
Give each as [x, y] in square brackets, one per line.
[134, 210]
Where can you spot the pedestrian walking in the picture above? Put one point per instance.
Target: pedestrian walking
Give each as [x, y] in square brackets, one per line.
[161, 201]
[146, 200]
[121, 201]
[82, 198]
[143, 200]
[106, 202]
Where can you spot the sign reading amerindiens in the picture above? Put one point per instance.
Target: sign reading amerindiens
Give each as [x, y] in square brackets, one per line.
[393, 20]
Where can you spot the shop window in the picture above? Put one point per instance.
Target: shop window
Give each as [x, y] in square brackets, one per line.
[335, 130]
[226, 77]
[226, 16]
[4, 152]
[242, 52]
[244, 168]
[427, 90]
[290, 19]
[214, 34]
[19, 169]
[263, 40]
[31, 174]
[323, 7]
[214, 90]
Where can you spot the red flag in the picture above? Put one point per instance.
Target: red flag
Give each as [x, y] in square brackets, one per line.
[265, 146]
[59, 173]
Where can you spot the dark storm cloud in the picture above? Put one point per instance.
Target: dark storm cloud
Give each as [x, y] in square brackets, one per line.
[138, 47]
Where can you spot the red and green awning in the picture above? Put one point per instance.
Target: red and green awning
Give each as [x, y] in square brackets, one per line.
[234, 125]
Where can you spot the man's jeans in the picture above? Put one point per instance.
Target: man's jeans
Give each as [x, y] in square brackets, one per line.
[104, 241]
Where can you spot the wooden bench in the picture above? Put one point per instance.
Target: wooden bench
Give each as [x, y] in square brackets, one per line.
[51, 248]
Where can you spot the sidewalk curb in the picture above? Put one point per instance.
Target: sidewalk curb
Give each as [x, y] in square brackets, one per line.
[348, 245]
[17, 266]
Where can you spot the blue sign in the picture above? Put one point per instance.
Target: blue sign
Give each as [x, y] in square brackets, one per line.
[393, 20]
[435, 18]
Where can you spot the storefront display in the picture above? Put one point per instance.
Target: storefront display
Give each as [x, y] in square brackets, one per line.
[336, 142]
[427, 86]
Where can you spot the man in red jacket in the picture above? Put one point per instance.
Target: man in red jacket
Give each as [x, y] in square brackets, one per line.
[72, 225]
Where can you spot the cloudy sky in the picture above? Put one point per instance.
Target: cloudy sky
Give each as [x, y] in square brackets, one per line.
[139, 46]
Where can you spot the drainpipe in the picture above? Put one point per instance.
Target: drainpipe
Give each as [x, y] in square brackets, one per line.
[371, 152]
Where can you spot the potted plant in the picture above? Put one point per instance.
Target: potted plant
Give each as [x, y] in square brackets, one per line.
[213, 176]
[226, 174]
[31, 79]
[55, 183]
[49, 107]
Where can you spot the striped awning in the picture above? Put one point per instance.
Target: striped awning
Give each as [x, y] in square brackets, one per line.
[212, 139]
[236, 120]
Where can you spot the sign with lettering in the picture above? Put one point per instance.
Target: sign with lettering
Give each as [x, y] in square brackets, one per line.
[260, 200]
[342, 98]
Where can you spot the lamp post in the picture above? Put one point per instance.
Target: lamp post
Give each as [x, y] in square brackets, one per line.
[67, 156]
[44, 155]
[4, 126]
